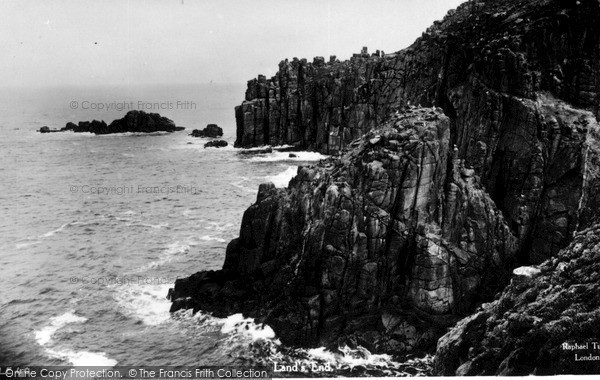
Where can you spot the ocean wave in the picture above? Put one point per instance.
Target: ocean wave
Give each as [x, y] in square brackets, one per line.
[145, 302]
[25, 244]
[285, 156]
[173, 249]
[212, 238]
[83, 358]
[70, 224]
[257, 344]
[44, 336]
[283, 179]
[59, 229]
[242, 184]
[237, 324]
[218, 226]
[146, 225]
[267, 349]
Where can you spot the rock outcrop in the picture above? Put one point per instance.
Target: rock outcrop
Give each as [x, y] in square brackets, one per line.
[133, 121]
[365, 246]
[427, 214]
[46, 129]
[546, 321]
[137, 121]
[211, 130]
[216, 144]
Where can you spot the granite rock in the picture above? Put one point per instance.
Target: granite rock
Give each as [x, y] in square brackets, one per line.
[547, 318]
[211, 130]
[519, 81]
[375, 232]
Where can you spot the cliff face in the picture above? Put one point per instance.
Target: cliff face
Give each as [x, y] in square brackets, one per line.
[425, 215]
[366, 245]
[518, 79]
[544, 323]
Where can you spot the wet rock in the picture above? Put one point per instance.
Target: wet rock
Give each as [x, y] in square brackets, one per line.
[133, 121]
[216, 144]
[46, 129]
[211, 130]
[262, 150]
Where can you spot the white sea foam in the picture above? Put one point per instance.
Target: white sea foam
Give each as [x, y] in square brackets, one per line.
[217, 226]
[168, 254]
[146, 302]
[50, 233]
[237, 324]
[212, 238]
[83, 358]
[44, 336]
[140, 224]
[285, 156]
[24, 245]
[283, 179]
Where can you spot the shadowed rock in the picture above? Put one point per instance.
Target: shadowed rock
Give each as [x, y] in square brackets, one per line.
[211, 130]
[519, 81]
[533, 327]
[426, 215]
[216, 144]
[355, 238]
[134, 121]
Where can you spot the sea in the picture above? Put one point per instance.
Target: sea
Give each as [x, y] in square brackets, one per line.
[94, 230]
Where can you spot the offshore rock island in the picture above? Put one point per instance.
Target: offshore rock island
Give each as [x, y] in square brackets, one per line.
[133, 121]
[473, 152]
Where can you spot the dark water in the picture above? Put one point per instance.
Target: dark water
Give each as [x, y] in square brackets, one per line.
[95, 229]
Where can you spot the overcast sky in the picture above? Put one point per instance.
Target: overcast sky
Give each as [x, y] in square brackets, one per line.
[50, 42]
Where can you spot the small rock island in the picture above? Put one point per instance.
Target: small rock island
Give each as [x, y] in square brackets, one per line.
[211, 130]
[133, 121]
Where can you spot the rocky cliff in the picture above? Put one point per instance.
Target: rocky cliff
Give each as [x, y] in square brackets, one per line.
[546, 322]
[375, 245]
[425, 216]
[518, 79]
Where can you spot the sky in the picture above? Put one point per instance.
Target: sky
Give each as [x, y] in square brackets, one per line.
[125, 42]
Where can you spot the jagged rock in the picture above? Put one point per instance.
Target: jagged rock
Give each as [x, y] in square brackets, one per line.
[134, 121]
[423, 216]
[211, 130]
[535, 325]
[359, 235]
[517, 78]
[70, 126]
[216, 144]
